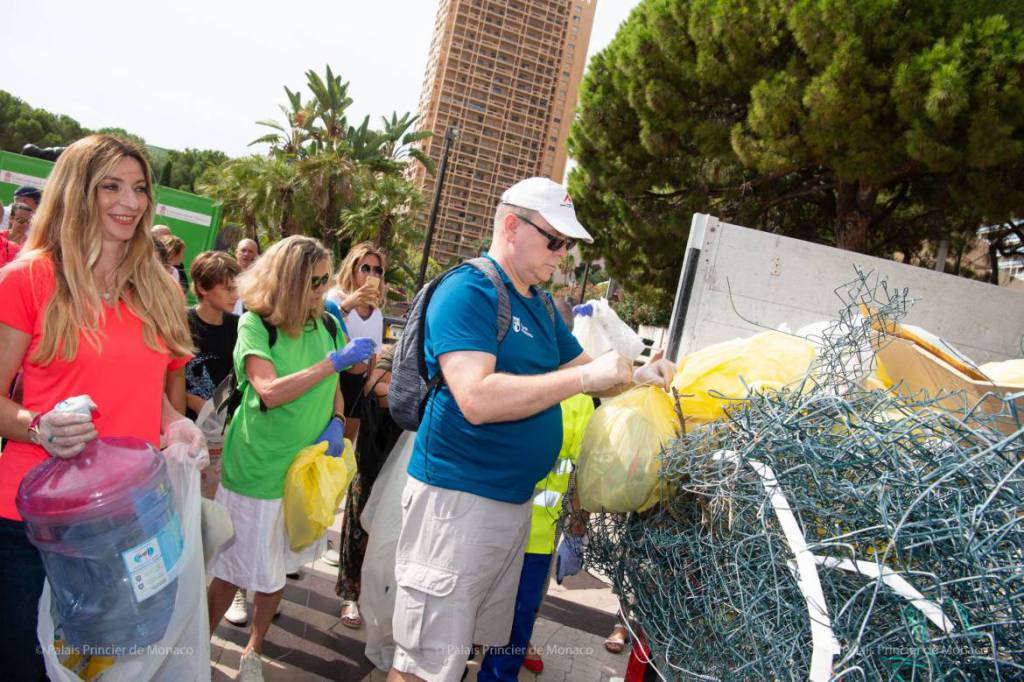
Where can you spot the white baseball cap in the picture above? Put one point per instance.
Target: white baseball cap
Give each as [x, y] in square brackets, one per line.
[552, 201]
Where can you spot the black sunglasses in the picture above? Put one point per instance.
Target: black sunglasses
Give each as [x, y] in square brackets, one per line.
[366, 269]
[318, 282]
[554, 242]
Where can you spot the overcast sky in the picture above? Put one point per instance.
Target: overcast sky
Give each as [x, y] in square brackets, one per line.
[199, 74]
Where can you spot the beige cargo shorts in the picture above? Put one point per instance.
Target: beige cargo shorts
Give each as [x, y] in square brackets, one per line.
[457, 567]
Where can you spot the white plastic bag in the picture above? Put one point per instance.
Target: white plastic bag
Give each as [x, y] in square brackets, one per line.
[382, 519]
[604, 331]
[211, 423]
[184, 652]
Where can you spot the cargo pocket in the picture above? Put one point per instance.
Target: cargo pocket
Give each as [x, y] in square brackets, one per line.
[420, 624]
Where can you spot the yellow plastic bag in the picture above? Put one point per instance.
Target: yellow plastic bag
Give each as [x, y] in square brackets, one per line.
[619, 462]
[313, 489]
[712, 378]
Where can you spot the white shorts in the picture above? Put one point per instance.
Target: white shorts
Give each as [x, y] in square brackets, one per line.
[258, 557]
[457, 567]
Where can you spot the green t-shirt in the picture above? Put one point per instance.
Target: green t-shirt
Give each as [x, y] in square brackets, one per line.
[260, 446]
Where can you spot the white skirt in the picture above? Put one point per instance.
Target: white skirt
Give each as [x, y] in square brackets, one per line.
[258, 557]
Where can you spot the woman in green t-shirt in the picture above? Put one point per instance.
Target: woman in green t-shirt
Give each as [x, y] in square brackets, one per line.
[287, 363]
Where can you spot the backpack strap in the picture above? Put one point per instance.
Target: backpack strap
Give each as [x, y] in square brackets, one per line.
[490, 270]
[271, 332]
[331, 326]
[545, 298]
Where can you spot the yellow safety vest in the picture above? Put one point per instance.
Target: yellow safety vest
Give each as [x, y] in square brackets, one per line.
[547, 496]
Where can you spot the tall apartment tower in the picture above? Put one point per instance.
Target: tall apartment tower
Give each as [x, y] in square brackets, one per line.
[505, 73]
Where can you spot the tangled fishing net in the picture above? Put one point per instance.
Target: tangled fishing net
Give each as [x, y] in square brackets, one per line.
[826, 531]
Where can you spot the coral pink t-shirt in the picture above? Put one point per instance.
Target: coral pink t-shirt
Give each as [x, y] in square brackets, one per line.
[125, 379]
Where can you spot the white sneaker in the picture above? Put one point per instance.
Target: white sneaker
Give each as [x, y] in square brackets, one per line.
[238, 612]
[331, 557]
[250, 669]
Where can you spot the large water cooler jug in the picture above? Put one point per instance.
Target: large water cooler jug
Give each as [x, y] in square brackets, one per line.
[105, 524]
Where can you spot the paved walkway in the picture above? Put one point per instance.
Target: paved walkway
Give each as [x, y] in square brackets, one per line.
[307, 641]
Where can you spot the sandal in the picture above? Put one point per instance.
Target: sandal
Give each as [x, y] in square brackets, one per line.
[350, 614]
[616, 642]
[533, 662]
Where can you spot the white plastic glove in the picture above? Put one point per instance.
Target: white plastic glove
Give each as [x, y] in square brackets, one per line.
[657, 371]
[608, 370]
[184, 431]
[65, 434]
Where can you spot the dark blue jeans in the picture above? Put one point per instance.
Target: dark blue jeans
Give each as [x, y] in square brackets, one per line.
[503, 663]
[21, 583]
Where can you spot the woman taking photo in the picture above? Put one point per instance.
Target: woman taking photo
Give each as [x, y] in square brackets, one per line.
[85, 309]
[287, 360]
[360, 293]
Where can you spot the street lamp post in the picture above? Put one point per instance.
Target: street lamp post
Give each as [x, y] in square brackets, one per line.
[449, 139]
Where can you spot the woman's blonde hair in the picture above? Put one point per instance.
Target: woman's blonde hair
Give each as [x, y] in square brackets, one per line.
[278, 284]
[346, 279]
[67, 230]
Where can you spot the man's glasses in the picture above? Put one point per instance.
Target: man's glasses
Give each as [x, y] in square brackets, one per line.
[318, 282]
[366, 269]
[555, 242]
[21, 221]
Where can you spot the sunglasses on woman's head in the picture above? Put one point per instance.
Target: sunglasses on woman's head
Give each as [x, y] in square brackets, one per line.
[555, 242]
[318, 282]
[366, 269]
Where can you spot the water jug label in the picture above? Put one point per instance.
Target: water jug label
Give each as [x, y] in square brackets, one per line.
[151, 565]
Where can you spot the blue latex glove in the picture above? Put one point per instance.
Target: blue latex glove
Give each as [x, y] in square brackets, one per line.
[334, 434]
[583, 310]
[357, 350]
[569, 559]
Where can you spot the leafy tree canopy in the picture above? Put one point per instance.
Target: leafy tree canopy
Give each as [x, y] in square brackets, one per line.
[325, 177]
[872, 125]
[22, 124]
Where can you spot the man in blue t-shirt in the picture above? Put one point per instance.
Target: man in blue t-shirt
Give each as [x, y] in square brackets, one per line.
[489, 433]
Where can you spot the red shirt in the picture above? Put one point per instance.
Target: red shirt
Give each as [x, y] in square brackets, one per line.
[125, 379]
[8, 249]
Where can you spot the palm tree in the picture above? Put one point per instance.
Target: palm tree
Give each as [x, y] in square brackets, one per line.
[290, 139]
[398, 141]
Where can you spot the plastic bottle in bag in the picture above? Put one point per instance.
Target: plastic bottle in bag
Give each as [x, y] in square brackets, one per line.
[110, 539]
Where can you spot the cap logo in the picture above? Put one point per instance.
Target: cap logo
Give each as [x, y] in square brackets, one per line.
[567, 201]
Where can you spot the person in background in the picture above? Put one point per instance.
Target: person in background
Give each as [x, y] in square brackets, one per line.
[246, 253]
[86, 309]
[175, 255]
[160, 231]
[214, 327]
[26, 195]
[12, 240]
[503, 663]
[359, 293]
[20, 223]
[290, 399]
